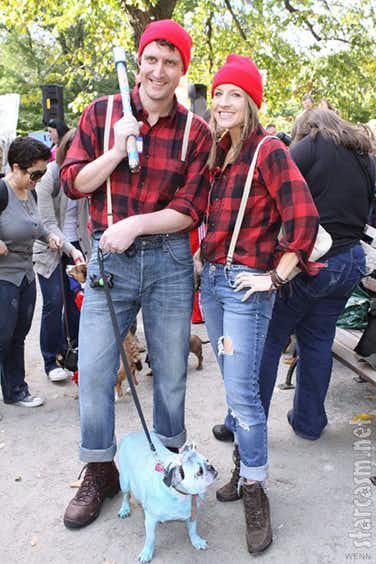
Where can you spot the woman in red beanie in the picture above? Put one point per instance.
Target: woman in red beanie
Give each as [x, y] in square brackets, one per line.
[238, 291]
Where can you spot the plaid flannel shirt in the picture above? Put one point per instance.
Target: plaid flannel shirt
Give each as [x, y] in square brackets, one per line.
[279, 196]
[164, 181]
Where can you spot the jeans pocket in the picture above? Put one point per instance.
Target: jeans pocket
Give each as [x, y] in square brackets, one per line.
[180, 251]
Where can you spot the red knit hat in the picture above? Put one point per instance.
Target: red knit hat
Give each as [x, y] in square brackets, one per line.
[170, 31]
[242, 72]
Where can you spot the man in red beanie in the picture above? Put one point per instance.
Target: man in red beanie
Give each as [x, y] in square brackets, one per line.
[146, 250]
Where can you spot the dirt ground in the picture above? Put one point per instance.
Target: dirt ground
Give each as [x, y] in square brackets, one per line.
[319, 492]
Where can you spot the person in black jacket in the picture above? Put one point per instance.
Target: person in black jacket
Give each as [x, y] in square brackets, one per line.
[334, 158]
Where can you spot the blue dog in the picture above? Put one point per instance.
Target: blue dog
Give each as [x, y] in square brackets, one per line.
[169, 489]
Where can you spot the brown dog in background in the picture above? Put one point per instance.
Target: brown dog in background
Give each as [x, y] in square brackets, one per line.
[130, 343]
[195, 347]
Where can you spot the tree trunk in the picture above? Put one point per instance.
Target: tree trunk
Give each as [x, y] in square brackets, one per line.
[139, 18]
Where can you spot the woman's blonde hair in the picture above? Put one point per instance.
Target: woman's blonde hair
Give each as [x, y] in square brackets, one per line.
[64, 145]
[332, 126]
[251, 122]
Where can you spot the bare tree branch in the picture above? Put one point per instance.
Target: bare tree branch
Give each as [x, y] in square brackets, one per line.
[293, 10]
[210, 46]
[236, 21]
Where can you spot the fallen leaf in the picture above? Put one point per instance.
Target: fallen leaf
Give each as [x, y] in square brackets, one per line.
[363, 417]
[34, 541]
[373, 398]
[75, 484]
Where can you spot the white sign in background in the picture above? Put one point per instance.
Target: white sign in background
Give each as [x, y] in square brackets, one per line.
[9, 106]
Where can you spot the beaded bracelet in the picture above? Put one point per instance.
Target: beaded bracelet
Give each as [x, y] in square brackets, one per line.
[277, 281]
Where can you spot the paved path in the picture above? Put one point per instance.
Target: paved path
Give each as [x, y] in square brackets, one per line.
[311, 486]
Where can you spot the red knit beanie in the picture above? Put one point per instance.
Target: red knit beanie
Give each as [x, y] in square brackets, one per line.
[242, 72]
[169, 31]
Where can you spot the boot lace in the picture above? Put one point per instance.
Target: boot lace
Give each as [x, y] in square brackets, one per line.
[89, 488]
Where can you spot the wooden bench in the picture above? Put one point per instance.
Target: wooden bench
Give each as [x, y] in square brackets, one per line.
[343, 350]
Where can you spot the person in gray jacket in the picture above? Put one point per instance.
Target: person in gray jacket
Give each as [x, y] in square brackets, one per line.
[68, 219]
[20, 226]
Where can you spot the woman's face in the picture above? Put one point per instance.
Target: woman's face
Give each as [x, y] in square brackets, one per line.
[229, 106]
[53, 134]
[26, 179]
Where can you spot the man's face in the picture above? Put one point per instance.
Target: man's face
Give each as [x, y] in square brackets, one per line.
[271, 130]
[307, 103]
[160, 71]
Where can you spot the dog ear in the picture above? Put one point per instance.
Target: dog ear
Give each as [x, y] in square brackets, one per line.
[188, 450]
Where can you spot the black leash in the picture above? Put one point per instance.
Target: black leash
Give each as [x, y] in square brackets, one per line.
[66, 323]
[119, 342]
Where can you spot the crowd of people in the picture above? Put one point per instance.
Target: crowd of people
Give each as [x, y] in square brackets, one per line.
[190, 172]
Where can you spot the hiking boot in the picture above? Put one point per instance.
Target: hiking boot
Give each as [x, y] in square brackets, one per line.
[101, 480]
[257, 517]
[232, 491]
[221, 433]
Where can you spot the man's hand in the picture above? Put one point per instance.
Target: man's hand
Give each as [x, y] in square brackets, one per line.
[54, 242]
[120, 236]
[3, 249]
[126, 126]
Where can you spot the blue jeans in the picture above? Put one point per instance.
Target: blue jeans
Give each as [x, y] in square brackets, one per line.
[245, 325]
[310, 309]
[17, 309]
[155, 274]
[52, 328]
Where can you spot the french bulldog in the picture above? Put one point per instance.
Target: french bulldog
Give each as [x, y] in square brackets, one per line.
[169, 486]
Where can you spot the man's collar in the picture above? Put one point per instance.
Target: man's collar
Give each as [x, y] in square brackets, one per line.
[136, 99]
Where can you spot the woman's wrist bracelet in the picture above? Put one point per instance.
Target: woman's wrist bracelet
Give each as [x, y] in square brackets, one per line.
[277, 281]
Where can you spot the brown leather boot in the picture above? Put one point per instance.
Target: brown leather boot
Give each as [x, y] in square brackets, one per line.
[101, 480]
[230, 491]
[257, 517]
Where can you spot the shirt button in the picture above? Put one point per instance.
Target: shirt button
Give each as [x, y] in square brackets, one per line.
[212, 268]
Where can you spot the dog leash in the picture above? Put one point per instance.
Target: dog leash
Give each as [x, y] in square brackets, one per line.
[119, 343]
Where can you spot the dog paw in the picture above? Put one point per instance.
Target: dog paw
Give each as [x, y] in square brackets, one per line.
[199, 543]
[124, 513]
[145, 555]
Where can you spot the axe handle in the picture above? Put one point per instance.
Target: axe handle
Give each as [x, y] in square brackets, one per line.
[133, 158]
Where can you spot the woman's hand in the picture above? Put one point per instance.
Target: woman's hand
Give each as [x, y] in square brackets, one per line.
[54, 242]
[3, 249]
[255, 283]
[198, 262]
[77, 256]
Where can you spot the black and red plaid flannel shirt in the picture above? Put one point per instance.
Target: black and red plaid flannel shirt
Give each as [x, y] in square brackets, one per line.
[279, 195]
[163, 181]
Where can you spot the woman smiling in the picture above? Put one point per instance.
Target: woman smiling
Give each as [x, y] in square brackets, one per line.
[242, 272]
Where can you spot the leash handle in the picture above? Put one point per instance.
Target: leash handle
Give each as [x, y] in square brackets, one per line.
[119, 342]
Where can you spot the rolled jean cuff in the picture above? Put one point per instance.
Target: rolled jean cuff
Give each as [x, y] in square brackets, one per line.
[177, 441]
[257, 473]
[97, 455]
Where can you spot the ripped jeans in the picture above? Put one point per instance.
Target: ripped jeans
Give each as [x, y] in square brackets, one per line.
[237, 331]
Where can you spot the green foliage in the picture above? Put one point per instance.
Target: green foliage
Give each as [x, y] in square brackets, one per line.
[326, 49]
